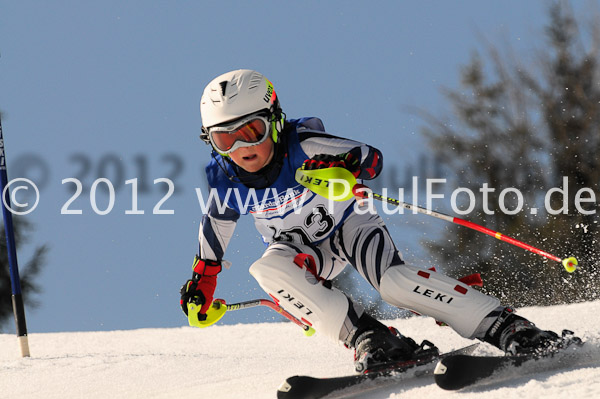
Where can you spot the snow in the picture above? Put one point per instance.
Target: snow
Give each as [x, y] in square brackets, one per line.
[251, 360]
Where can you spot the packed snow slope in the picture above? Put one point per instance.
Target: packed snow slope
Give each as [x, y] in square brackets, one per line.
[251, 360]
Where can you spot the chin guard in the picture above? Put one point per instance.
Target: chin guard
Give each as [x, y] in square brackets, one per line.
[213, 314]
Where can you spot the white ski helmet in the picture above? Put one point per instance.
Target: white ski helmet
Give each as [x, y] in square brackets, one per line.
[236, 94]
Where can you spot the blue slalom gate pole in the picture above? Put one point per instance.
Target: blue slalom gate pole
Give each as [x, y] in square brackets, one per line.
[15, 281]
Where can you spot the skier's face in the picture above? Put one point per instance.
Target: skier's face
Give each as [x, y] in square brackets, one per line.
[254, 158]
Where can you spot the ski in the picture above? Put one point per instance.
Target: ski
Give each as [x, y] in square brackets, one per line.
[463, 370]
[306, 387]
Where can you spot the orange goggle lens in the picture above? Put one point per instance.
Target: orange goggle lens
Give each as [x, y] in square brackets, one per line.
[252, 132]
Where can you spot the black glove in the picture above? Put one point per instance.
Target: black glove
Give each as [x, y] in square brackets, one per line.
[322, 161]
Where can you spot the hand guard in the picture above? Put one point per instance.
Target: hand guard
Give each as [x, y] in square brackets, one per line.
[322, 161]
[200, 289]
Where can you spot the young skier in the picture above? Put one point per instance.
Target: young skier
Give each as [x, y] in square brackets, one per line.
[257, 151]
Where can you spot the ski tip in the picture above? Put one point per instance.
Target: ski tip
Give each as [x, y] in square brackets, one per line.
[295, 387]
[440, 368]
[447, 375]
[440, 374]
[285, 390]
[284, 387]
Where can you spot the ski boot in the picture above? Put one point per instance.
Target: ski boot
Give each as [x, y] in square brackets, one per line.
[516, 335]
[377, 347]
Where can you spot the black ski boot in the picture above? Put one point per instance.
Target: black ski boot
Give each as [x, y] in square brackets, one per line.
[377, 346]
[516, 335]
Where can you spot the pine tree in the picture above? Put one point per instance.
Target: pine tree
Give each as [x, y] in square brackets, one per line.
[527, 126]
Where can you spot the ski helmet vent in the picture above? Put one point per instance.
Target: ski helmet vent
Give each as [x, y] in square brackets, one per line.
[255, 80]
[223, 85]
[236, 94]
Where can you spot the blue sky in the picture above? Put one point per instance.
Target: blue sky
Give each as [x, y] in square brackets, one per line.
[111, 89]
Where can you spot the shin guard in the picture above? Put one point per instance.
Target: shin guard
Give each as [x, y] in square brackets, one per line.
[438, 296]
[299, 291]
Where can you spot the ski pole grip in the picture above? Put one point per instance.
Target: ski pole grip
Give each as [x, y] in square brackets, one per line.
[361, 191]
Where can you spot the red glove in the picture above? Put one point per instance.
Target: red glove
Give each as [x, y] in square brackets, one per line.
[200, 289]
[322, 161]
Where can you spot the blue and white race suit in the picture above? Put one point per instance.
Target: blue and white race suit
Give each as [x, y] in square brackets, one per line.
[285, 211]
[294, 221]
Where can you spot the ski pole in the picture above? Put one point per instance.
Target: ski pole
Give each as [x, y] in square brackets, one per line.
[13, 268]
[362, 191]
[216, 311]
[339, 184]
[308, 330]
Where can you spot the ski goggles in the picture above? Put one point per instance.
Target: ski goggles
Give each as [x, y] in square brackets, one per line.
[249, 131]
